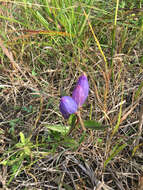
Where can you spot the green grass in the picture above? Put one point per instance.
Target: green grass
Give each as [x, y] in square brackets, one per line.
[44, 47]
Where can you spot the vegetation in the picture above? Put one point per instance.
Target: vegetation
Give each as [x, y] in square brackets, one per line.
[45, 45]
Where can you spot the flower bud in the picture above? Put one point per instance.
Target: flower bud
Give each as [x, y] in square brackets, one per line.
[81, 90]
[67, 106]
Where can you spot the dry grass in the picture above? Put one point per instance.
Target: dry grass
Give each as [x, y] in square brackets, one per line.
[35, 69]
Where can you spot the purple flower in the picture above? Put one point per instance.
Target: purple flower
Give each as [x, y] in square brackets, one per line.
[67, 106]
[81, 90]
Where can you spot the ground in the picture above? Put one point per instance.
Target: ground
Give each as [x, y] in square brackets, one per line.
[45, 46]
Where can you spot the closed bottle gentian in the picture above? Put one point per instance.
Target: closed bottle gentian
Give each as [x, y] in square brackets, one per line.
[81, 90]
[67, 106]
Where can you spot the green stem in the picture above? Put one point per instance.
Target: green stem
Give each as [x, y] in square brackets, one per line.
[81, 121]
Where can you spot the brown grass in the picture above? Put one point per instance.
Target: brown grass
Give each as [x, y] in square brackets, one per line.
[30, 91]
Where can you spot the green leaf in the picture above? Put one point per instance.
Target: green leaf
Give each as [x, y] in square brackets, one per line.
[72, 120]
[81, 139]
[19, 145]
[28, 109]
[22, 138]
[33, 72]
[13, 122]
[139, 90]
[70, 142]
[59, 128]
[15, 169]
[4, 162]
[27, 150]
[91, 124]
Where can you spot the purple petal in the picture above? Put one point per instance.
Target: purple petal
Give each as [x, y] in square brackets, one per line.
[67, 106]
[81, 90]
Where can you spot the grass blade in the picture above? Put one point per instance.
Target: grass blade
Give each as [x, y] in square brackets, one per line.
[114, 153]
